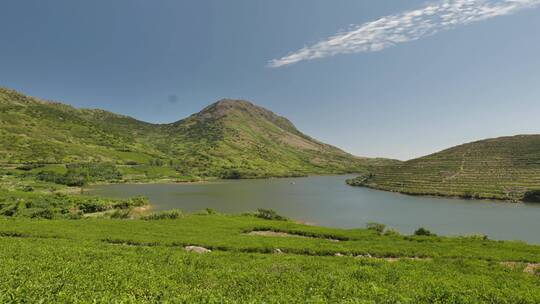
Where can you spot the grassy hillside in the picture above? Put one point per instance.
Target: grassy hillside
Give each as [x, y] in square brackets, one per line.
[144, 261]
[231, 138]
[500, 168]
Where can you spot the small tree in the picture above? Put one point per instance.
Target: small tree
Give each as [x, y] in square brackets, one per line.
[377, 227]
[269, 214]
[423, 232]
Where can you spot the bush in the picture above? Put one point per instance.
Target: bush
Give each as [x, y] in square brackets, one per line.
[78, 175]
[137, 201]
[391, 232]
[44, 214]
[532, 196]
[269, 214]
[207, 211]
[93, 172]
[93, 206]
[29, 167]
[121, 214]
[231, 174]
[424, 232]
[26, 188]
[379, 228]
[164, 215]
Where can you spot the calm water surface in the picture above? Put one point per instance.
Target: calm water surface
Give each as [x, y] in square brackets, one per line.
[328, 201]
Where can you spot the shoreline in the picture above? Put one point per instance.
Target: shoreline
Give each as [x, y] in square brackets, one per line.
[439, 195]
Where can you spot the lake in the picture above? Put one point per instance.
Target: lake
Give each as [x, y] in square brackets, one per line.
[328, 201]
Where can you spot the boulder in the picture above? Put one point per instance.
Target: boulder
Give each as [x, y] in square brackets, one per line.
[197, 249]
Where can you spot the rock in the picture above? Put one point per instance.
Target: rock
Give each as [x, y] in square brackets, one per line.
[197, 249]
[338, 254]
[278, 251]
[531, 268]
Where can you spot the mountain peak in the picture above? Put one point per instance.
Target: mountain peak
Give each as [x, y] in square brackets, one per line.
[229, 108]
[226, 106]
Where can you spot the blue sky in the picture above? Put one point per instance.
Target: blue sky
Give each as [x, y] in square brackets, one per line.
[414, 94]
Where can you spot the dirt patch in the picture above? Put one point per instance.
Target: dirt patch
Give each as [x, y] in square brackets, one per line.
[197, 249]
[298, 142]
[393, 259]
[284, 234]
[140, 211]
[530, 268]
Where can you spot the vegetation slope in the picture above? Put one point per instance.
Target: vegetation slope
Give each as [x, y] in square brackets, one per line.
[144, 261]
[231, 139]
[501, 168]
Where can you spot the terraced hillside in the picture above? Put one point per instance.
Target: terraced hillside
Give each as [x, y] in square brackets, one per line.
[231, 138]
[501, 168]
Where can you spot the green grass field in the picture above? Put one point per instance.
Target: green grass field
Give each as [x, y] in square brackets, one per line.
[144, 261]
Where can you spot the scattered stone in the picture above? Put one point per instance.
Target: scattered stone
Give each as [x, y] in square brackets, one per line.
[529, 268]
[278, 251]
[532, 268]
[197, 249]
[338, 254]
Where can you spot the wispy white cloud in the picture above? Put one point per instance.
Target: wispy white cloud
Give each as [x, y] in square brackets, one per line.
[404, 27]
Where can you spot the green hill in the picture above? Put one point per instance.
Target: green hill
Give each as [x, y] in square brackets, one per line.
[500, 168]
[230, 138]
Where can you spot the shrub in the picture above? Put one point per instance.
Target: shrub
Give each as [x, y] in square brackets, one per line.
[78, 175]
[269, 214]
[121, 214]
[93, 206]
[95, 171]
[207, 211]
[137, 201]
[532, 196]
[377, 227]
[391, 232]
[231, 174]
[424, 232]
[44, 214]
[75, 215]
[29, 167]
[164, 215]
[27, 188]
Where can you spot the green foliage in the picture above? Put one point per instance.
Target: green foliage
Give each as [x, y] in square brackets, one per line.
[164, 215]
[121, 214]
[503, 168]
[377, 227]
[63, 261]
[532, 196]
[78, 175]
[69, 179]
[49, 206]
[269, 214]
[424, 232]
[29, 167]
[207, 211]
[229, 139]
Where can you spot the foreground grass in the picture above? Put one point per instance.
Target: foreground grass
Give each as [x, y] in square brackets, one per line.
[100, 260]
